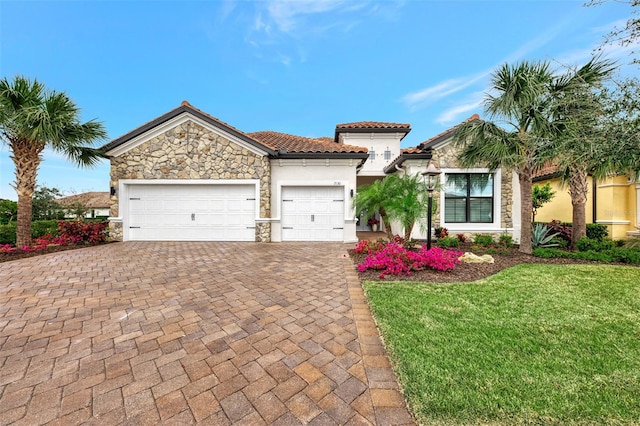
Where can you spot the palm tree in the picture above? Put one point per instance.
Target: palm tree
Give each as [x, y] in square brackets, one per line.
[521, 102]
[580, 147]
[408, 203]
[532, 102]
[32, 118]
[372, 199]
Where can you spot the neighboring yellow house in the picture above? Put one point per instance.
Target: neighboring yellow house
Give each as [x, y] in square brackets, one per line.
[616, 204]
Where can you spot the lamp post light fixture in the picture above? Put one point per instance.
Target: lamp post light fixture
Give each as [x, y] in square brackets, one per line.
[431, 176]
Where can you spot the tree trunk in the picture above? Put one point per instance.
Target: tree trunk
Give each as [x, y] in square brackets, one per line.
[26, 157]
[526, 208]
[23, 224]
[407, 231]
[387, 224]
[578, 188]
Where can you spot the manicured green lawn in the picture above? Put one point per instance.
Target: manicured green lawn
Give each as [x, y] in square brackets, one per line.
[534, 344]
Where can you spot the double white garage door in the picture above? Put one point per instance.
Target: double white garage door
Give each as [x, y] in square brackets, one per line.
[192, 212]
[228, 212]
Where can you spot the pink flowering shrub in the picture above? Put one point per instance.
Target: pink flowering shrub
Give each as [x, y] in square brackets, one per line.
[368, 247]
[75, 232]
[394, 259]
[8, 248]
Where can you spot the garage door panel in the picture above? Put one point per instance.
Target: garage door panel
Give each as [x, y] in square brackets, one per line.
[312, 213]
[191, 212]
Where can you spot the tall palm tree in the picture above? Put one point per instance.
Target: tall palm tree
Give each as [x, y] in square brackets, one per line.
[580, 146]
[519, 98]
[32, 118]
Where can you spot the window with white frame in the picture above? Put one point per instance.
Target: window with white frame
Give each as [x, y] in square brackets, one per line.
[468, 198]
[372, 154]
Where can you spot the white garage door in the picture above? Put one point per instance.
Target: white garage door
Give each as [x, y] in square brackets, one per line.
[191, 213]
[314, 213]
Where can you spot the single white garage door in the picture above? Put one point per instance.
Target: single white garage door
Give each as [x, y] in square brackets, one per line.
[191, 213]
[312, 213]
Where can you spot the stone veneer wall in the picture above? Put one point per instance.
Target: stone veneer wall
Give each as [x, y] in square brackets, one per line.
[189, 151]
[447, 157]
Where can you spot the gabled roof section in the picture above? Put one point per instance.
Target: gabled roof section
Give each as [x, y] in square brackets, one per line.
[371, 127]
[285, 144]
[185, 107]
[446, 134]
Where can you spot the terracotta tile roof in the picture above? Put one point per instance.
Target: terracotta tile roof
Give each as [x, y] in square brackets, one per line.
[373, 125]
[292, 143]
[446, 133]
[93, 200]
[548, 170]
[413, 150]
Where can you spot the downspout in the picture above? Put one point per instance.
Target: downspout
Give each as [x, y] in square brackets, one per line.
[594, 198]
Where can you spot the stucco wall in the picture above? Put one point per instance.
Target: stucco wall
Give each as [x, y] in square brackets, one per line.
[616, 206]
[298, 172]
[191, 151]
[559, 208]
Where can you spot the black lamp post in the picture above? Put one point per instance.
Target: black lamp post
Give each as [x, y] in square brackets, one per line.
[431, 175]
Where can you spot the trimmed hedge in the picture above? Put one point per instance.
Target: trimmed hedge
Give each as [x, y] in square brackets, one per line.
[38, 229]
[619, 254]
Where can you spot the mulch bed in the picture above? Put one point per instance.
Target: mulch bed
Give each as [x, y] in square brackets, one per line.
[466, 272]
[6, 257]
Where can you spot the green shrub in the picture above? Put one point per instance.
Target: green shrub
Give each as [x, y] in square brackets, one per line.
[448, 242]
[8, 234]
[596, 231]
[586, 244]
[548, 253]
[483, 240]
[622, 255]
[559, 242]
[44, 227]
[506, 240]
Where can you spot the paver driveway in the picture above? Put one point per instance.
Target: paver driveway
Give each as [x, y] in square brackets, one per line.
[181, 333]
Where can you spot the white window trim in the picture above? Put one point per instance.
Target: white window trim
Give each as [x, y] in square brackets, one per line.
[494, 226]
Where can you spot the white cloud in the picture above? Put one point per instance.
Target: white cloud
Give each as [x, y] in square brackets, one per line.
[453, 114]
[288, 14]
[428, 95]
[290, 25]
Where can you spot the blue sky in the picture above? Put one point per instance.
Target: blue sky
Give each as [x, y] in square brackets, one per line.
[298, 67]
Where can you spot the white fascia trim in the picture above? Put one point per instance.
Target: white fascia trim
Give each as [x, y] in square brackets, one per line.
[297, 162]
[372, 136]
[124, 184]
[343, 183]
[613, 222]
[169, 124]
[497, 203]
[614, 185]
[371, 173]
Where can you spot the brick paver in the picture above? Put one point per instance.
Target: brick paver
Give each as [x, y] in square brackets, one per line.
[186, 333]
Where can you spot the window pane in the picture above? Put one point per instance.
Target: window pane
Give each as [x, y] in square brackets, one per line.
[456, 185]
[387, 155]
[455, 210]
[481, 185]
[481, 210]
[372, 155]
